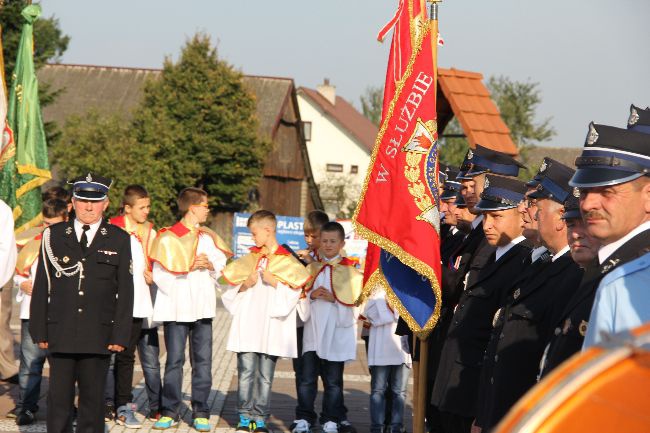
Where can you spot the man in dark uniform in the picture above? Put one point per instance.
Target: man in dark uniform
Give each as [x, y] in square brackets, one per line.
[524, 323]
[571, 326]
[456, 383]
[82, 304]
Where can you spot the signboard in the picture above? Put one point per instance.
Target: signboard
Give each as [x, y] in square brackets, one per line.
[289, 231]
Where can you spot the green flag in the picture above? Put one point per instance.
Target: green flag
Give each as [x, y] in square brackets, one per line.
[23, 175]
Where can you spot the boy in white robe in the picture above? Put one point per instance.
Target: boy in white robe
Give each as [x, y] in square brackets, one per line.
[32, 357]
[389, 361]
[265, 288]
[188, 259]
[330, 335]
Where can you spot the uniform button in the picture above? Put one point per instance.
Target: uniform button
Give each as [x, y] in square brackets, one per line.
[496, 358]
[83, 260]
[492, 381]
[461, 306]
[557, 331]
[455, 322]
[81, 293]
[80, 310]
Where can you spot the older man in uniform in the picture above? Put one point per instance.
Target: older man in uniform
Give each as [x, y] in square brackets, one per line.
[82, 305]
[612, 176]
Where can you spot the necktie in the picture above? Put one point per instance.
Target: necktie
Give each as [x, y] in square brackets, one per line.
[84, 239]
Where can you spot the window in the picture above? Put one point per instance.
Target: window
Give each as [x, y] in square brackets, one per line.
[354, 169]
[335, 168]
[306, 130]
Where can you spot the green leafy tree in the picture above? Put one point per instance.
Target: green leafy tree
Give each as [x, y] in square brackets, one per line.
[371, 103]
[202, 118]
[49, 45]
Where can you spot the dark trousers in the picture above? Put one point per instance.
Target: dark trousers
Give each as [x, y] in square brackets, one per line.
[331, 373]
[297, 362]
[149, 351]
[123, 367]
[30, 374]
[452, 423]
[85, 370]
[200, 337]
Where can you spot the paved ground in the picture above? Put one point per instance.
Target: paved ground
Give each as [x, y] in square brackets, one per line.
[223, 396]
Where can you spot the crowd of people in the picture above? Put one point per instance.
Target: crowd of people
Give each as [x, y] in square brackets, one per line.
[531, 273]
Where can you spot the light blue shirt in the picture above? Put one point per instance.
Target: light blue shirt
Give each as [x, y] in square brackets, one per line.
[622, 301]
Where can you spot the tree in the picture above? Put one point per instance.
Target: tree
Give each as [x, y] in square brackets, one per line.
[49, 45]
[339, 193]
[106, 144]
[202, 119]
[195, 126]
[453, 149]
[371, 103]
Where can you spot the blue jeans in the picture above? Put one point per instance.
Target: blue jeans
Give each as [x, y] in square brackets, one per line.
[383, 377]
[176, 336]
[331, 373]
[254, 379]
[149, 351]
[30, 373]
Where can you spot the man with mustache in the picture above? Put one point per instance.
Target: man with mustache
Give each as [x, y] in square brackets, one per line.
[612, 176]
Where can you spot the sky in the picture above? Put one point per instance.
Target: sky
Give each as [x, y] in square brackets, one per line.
[590, 57]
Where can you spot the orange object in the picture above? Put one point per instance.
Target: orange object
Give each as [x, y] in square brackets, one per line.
[604, 389]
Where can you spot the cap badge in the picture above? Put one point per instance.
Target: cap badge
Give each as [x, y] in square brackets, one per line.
[470, 154]
[576, 192]
[487, 183]
[634, 117]
[89, 178]
[592, 137]
[542, 168]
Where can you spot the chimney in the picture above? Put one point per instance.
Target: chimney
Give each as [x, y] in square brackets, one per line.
[327, 91]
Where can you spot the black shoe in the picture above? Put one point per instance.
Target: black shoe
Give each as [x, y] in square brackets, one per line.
[109, 412]
[346, 427]
[25, 417]
[12, 414]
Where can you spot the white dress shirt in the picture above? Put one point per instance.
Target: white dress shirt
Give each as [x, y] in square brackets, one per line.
[8, 251]
[609, 249]
[90, 234]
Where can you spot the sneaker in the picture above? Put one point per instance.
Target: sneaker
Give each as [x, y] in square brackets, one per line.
[260, 427]
[12, 414]
[109, 411]
[25, 417]
[126, 416]
[154, 415]
[245, 424]
[201, 424]
[300, 426]
[330, 427]
[346, 427]
[164, 423]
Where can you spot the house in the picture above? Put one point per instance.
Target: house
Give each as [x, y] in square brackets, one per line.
[287, 186]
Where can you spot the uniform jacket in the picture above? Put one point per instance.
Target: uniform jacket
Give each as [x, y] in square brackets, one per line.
[522, 330]
[456, 384]
[84, 316]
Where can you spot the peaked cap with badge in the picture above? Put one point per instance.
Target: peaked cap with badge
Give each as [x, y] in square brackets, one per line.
[485, 160]
[501, 193]
[541, 172]
[90, 187]
[555, 184]
[572, 205]
[611, 156]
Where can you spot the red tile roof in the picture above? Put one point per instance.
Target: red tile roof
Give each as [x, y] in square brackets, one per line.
[347, 116]
[477, 114]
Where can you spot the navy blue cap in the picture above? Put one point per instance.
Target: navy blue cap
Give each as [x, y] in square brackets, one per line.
[639, 119]
[500, 193]
[450, 190]
[611, 156]
[555, 184]
[486, 160]
[460, 201]
[572, 205]
[90, 187]
[541, 172]
[465, 166]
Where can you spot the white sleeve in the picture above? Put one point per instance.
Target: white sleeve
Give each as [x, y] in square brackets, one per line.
[232, 299]
[304, 308]
[378, 313]
[218, 260]
[283, 300]
[164, 279]
[18, 280]
[8, 251]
